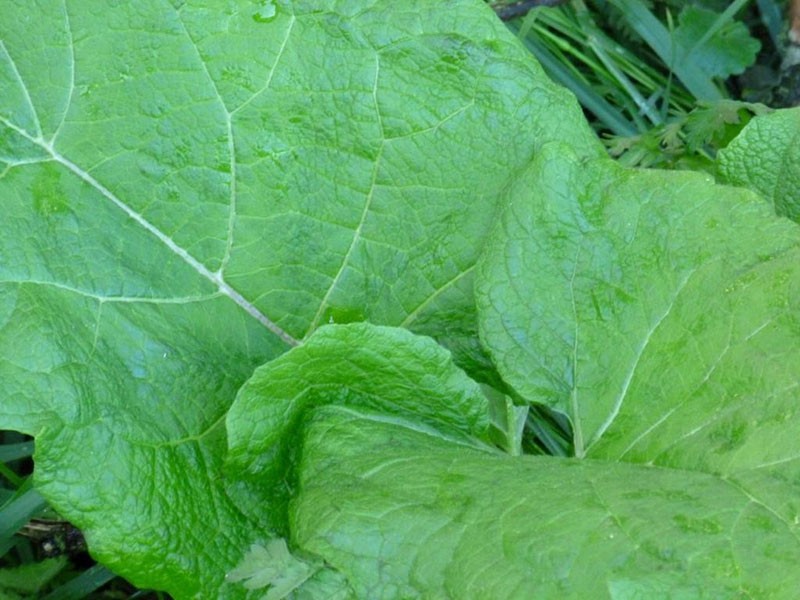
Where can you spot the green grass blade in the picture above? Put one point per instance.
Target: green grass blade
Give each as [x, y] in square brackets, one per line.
[19, 510]
[653, 32]
[606, 50]
[83, 585]
[771, 16]
[10, 452]
[726, 17]
[605, 112]
[142, 593]
[9, 474]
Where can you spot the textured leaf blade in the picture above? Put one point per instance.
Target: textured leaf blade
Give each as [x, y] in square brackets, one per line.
[389, 370]
[190, 190]
[765, 157]
[659, 312]
[641, 304]
[727, 47]
[402, 515]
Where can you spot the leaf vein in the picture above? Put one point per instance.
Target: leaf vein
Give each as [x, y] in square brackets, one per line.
[438, 292]
[25, 92]
[231, 149]
[114, 299]
[63, 119]
[364, 212]
[632, 371]
[271, 73]
[215, 278]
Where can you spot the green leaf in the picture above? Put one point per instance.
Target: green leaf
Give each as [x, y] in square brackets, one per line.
[406, 515]
[286, 576]
[717, 44]
[659, 311]
[716, 123]
[272, 566]
[83, 585]
[9, 452]
[643, 305]
[30, 578]
[639, 17]
[23, 505]
[191, 189]
[389, 370]
[766, 158]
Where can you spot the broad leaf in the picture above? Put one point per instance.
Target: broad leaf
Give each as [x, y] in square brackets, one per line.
[389, 370]
[645, 305]
[402, 377]
[405, 515]
[660, 312]
[190, 189]
[766, 157]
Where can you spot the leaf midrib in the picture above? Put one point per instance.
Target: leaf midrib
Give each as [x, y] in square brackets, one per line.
[215, 278]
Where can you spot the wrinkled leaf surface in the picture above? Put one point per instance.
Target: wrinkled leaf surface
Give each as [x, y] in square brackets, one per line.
[765, 157]
[192, 188]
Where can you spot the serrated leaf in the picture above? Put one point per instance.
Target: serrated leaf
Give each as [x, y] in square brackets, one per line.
[728, 51]
[713, 122]
[272, 566]
[261, 564]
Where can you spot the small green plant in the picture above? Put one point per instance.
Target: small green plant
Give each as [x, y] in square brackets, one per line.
[653, 80]
[33, 547]
[688, 141]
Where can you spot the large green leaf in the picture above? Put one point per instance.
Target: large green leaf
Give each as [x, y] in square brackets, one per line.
[765, 157]
[661, 313]
[649, 306]
[190, 189]
[386, 369]
[408, 515]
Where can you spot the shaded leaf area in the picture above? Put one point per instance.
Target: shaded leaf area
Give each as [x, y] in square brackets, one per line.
[192, 189]
[765, 157]
[28, 579]
[404, 514]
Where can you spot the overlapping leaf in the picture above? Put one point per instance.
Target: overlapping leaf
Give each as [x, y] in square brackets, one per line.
[634, 301]
[660, 312]
[716, 44]
[766, 157]
[191, 188]
[386, 369]
[406, 515]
